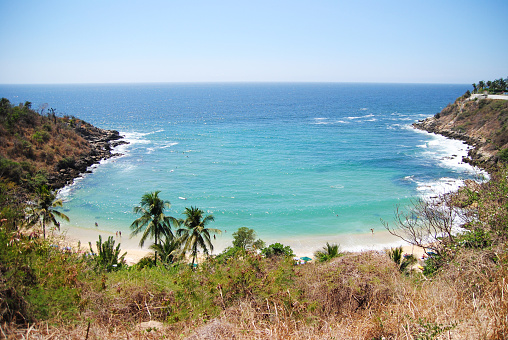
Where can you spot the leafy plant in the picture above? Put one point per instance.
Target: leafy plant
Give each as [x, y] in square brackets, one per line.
[277, 249]
[245, 238]
[107, 257]
[328, 252]
[503, 155]
[404, 262]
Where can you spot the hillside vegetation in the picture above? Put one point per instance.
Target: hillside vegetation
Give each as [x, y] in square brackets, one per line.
[481, 123]
[43, 149]
[460, 292]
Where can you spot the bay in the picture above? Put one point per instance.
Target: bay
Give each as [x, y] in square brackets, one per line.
[291, 160]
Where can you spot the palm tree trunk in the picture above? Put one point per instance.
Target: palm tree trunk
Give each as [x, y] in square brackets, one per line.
[156, 250]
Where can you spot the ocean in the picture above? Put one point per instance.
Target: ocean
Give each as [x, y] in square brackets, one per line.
[290, 160]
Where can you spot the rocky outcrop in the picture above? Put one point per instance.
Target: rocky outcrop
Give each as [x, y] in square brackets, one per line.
[483, 124]
[102, 143]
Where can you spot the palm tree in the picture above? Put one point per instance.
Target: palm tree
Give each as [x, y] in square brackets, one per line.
[328, 252]
[152, 222]
[502, 84]
[403, 262]
[195, 234]
[481, 85]
[44, 210]
[168, 250]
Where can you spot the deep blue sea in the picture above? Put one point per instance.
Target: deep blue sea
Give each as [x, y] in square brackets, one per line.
[289, 160]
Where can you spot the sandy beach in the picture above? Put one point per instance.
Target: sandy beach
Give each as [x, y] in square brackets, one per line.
[79, 238]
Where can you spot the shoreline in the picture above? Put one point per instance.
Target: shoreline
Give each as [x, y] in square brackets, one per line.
[380, 240]
[78, 238]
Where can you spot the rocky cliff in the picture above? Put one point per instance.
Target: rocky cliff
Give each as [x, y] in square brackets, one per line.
[482, 123]
[101, 144]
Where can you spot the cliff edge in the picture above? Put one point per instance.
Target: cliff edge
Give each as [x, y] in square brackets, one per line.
[481, 123]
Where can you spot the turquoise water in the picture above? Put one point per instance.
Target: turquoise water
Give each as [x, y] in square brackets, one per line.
[289, 160]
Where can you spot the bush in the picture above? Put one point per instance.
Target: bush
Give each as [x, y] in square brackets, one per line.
[503, 155]
[10, 169]
[40, 137]
[477, 238]
[108, 257]
[65, 163]
[328, 252]
[403, 262]
[277, 249]
[245, 238]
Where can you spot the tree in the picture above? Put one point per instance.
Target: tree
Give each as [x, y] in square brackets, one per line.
[194, 233]
[277, 249]
[481, 85]
[244, 238]
[45, 209]
[168, 249]
[153, 222]
[428, 224]
[502, 84]
[328, 252]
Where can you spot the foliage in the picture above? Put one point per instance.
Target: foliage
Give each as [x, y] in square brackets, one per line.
[245, 238]
[68, 162]
[108, 257]
[403, 262]
[328, 252]
[194, 233]
[44, 212]
[152, 222]
[277, 249]
[229, 253]
[491, 86]
[503, 155]
[168, 250]
[477, 238]
[38, 281]
[428, 224]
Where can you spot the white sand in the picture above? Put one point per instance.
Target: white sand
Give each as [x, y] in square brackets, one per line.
[305, 246]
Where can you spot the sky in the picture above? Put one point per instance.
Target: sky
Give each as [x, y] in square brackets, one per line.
[387, 41]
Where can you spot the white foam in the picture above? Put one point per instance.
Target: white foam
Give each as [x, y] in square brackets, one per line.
[449, 154]
[360, 117]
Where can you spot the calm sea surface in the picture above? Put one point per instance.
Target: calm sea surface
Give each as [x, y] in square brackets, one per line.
[289, 160]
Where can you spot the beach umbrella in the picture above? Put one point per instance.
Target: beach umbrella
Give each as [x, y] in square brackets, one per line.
[305, 258]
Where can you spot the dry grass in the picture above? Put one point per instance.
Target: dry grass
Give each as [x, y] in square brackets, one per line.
[358, 296]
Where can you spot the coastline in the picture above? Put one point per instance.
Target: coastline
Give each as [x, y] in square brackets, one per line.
[377, 241]
[102, 143]
[380, 240]
[79, 238]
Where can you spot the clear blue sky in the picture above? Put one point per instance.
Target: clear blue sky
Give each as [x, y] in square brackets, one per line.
[110, 41]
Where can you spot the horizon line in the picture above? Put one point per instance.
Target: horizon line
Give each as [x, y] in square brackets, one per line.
[236, 82]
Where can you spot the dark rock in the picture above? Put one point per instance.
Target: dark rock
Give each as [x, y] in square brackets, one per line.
[102, 143]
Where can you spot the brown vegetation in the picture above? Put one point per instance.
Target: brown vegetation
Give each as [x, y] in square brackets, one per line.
[481, 123]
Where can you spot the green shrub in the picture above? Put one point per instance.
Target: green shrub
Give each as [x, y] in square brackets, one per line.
[477, 238]
[277, 249]
[503, 155]
[328, 252]
[68, 162]
[10, 170]
[108, 257]
[403, 262]
[40, 137]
